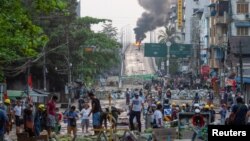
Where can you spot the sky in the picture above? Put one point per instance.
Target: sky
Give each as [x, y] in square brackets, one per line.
[121, 12]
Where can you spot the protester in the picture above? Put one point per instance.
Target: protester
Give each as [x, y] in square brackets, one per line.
[3, 121]
[198, 122]
[9, 112]
[248, 117]
[158, 117]
[59, 117]
[96, 112]
[223, 112]
[212, 113]
[38, 118]
[51, 110]
[135, 111]
[29, 120]
[72, 118]
[85, 118]
[18, 113]
[240, 111]
[127, 94]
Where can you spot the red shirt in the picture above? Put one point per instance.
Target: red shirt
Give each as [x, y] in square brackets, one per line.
[51, 107]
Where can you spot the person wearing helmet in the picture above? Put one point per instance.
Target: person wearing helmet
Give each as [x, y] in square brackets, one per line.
[212, 113]
[206, 109]
[18, 113]
[3, 122]
[37, 119]
[197, 121]
[7, 109]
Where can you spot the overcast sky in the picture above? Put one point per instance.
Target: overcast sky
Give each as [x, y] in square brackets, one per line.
[121, 12]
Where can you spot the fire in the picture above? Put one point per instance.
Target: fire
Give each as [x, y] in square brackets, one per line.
[137, 44]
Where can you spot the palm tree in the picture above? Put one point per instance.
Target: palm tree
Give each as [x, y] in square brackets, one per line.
[168, 35]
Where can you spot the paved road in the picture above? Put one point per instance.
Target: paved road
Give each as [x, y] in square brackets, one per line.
[136, 63]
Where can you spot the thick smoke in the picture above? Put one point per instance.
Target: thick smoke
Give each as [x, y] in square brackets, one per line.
[155, 16]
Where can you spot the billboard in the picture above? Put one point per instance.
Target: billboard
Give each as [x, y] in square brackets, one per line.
[180, 13]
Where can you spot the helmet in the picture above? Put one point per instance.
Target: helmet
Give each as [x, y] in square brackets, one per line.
[173, 104]
[158, 102]
[7, 101]
[211, 106]
[196, 105]
[197, 111]
[42, 107]
[183, 105]
[206, 107]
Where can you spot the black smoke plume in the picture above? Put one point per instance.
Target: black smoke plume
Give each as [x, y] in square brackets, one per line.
[156, 15]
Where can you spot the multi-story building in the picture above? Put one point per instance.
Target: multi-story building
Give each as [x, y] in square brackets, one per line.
[189, 8]
[218, 38]
[239, 42]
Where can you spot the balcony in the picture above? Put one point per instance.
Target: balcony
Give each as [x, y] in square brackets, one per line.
[221, 20]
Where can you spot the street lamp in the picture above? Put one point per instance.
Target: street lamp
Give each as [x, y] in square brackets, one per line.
[168, 43]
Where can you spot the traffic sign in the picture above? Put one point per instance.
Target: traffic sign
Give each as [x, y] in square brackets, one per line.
[160, 50]
[155, 50]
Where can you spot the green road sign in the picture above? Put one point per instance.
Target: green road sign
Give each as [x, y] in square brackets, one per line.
[160, 50]
[181, 50]
[155, 50]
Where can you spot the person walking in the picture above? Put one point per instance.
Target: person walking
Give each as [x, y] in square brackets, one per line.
[135, 111]
[85, 118]
[96, 112]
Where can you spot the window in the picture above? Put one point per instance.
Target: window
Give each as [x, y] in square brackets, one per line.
[242, 8]
[195, 10]
[242, 31]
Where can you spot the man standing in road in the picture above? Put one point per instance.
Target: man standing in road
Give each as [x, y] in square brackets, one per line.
[96, 111]
[136, 107]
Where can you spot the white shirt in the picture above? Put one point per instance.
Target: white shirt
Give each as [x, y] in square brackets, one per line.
[18, 110]
[157, 116]
[137, 104]
[85, 113]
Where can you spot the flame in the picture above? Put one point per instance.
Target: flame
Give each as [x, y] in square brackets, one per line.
[137, 43]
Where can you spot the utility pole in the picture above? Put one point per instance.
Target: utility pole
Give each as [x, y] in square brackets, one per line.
[44, 70]
[241, 69]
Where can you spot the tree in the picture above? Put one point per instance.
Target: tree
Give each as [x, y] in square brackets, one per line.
[20, 38]
[169, 34]
[109, 30]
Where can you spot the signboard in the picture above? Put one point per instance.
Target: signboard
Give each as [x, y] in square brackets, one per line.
[181, 50]
[160, 50]
[155, 50]
[180, 13]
